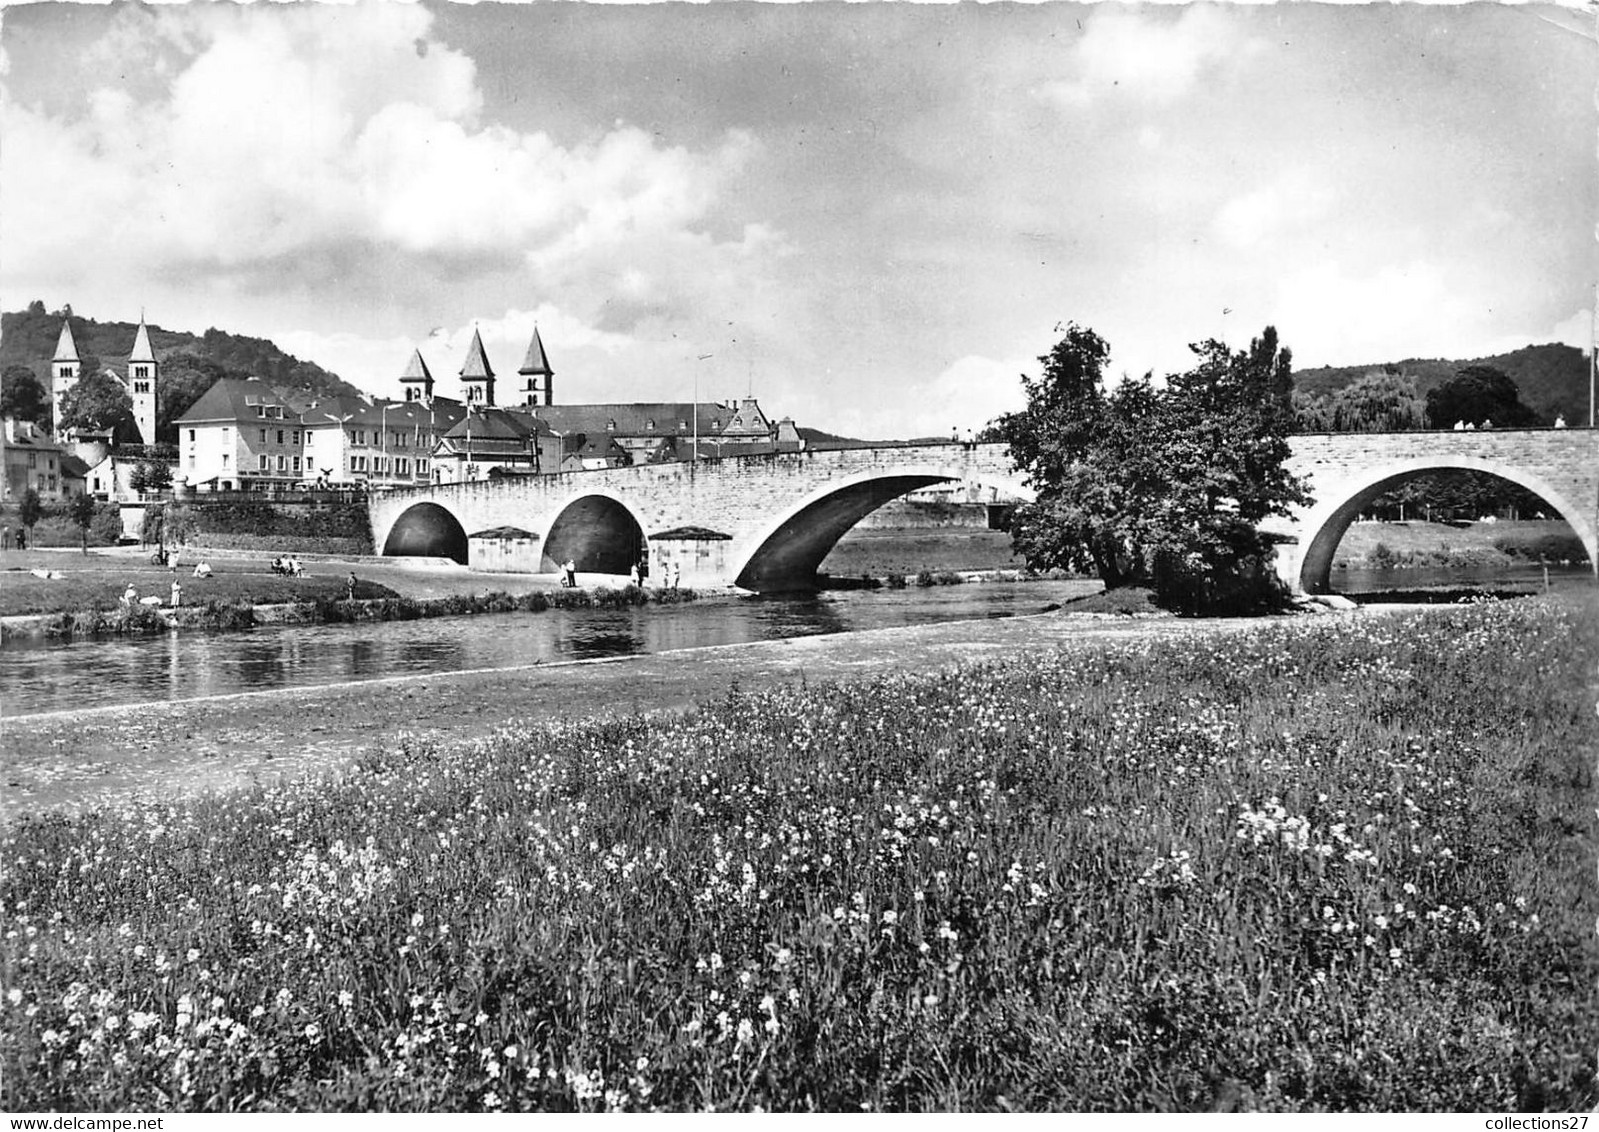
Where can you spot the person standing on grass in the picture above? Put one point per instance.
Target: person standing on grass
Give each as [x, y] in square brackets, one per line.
[177, 592]
[5, 538]
[349, 584]
[130, 596]
[571, 572]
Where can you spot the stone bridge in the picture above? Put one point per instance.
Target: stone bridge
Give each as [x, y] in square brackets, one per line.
[765, 523]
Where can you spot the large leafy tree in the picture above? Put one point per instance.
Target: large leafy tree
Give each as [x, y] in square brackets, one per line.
[1163, 486]
[1381, 401]
[1478, 395]
[98, 403]
[23, 396]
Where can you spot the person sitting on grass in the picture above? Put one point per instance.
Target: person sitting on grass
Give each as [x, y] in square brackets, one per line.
[202, 569]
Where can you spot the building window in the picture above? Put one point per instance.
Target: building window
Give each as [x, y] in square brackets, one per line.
[263, 436]
[421, 467]
[402, 467]
[296, 463]
[191, 436]
[296, 436]
[260, 410]
[33, 459]
[265, 462]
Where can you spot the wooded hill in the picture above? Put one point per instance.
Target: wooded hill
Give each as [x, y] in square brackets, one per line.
[1553, 379]
[190, 363]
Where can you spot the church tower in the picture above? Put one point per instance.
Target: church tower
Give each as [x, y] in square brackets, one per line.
[142, 368]
[477, 376]
[417, 380]
[540, 389]
[63, 370]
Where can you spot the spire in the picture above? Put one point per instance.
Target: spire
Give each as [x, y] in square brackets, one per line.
[417, 380]
[66, 348]
[476, 367]
[535, 362]
[141, 344]
[477, 376]
[417, 369]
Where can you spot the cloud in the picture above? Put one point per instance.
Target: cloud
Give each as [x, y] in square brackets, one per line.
[284, 132]
[1284, 207]
[965, 396]
[1398, 311]
[1147, 54]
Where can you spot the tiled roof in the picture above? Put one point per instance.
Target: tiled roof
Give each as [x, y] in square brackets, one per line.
[234, 398]
[66, 348]
[535, 362]
[476, 367]
[635, 419]
[494, 424]
[74, 467]
[700, 534]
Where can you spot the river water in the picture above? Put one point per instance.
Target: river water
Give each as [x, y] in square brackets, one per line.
[54, 676]
[40, 676]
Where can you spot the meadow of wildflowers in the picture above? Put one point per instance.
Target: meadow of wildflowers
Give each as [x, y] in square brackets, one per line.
[1340, 863]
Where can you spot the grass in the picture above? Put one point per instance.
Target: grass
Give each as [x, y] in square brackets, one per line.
[1506, 544]
[1334, 863]
[96, 582]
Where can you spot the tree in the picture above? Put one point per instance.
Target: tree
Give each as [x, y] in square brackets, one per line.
[150, 475]
[98, 403]
[30, 511]
[1381, 401]
[183, 380]
[1158, 486]
[23, 396]
[1478, 395]
[81, 510]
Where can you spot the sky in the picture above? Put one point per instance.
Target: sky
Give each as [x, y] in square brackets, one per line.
[875, 217]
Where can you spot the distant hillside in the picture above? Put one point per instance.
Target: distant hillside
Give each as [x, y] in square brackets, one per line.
[1553, 379]
[29, 338]
[818, 440]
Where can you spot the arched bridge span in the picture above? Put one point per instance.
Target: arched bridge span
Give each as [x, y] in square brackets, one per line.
[766, 522]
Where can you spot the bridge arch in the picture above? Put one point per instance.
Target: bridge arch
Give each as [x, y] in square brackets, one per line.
[597, 530]
[784, 552]
[1341, 503]
[426, 530]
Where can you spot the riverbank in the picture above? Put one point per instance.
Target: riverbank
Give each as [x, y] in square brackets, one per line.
[66, 761]
[1140, 874]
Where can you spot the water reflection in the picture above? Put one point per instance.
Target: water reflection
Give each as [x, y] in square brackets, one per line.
[51, 676]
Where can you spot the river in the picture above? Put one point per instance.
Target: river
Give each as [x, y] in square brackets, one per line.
[41, 676]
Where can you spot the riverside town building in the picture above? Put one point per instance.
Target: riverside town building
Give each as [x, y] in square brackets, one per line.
[246, 435]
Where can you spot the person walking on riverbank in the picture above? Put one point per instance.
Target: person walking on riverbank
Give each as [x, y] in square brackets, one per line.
[177, 592]
[569, 568]
[349, 585]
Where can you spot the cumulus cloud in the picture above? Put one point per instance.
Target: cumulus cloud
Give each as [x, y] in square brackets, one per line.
[284, 132]
[1147, 54]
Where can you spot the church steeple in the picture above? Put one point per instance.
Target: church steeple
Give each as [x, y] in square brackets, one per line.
[477, 376]
[417, 380]
[142, 370]
[540, 388]
[63, 370]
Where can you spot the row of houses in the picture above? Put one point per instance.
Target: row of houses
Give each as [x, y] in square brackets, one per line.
[246, 435]
[243, 434]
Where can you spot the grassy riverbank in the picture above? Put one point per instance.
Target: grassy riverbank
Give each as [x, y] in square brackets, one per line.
[1334, 863]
